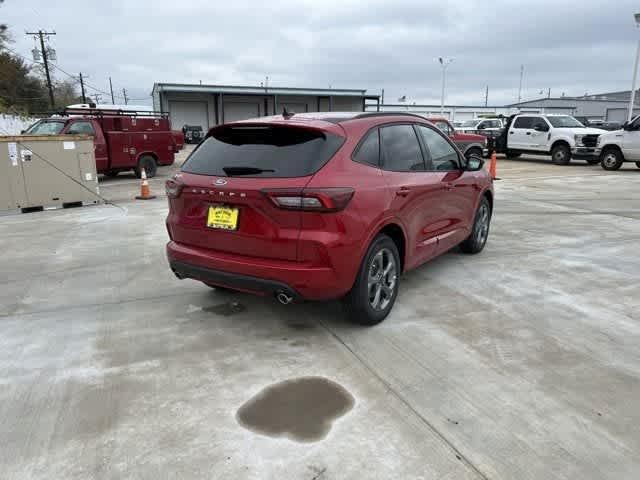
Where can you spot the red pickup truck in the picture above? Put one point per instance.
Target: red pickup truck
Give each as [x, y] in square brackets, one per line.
[123, 140]
[468, 143]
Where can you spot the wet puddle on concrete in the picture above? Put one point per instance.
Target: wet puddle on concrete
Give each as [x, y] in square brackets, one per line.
[226, 309]
[302, 409]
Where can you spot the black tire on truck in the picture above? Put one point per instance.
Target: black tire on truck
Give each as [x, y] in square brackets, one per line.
[612, 158]
[148, 163]
[512, 154]
[112, 173]
[561, 154]
[376, 287]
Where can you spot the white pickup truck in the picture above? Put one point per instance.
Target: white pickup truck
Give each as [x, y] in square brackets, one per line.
[620, 146]
[560, 136]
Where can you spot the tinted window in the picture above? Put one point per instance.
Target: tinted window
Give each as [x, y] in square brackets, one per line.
[400, 148]
[45, 128]
[524, 122]
[263, 151]
[443, 155]
[369, 150]
[81, 128]
[539, 122]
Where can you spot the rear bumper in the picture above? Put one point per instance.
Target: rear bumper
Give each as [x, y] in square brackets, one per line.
[255, 275]
[232, 280]
[585, 152]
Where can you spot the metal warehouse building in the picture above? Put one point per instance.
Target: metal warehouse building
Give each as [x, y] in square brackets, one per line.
[611, 106]
[210, 105]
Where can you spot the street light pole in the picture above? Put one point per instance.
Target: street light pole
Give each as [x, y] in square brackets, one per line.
[635, 74]
[444, 62]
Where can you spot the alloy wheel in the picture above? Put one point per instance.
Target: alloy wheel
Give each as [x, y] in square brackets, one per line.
[381, 279]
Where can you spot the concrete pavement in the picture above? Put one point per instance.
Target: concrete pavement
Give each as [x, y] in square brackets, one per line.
[522, 362]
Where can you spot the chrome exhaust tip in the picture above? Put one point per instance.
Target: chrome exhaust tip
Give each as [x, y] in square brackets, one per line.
[283, 298]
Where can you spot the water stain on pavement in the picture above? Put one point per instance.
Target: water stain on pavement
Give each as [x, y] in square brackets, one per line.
[302, 409]
[226, 309]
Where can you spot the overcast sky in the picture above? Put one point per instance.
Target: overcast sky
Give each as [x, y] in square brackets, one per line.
[570, 46]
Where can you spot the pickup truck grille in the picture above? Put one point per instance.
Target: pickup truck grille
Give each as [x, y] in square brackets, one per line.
[590, 140]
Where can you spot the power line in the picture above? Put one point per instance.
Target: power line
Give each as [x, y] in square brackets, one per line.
[42, 34]
[75, 79]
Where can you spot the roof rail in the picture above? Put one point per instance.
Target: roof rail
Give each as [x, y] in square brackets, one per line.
[387, 114]
[105, 112]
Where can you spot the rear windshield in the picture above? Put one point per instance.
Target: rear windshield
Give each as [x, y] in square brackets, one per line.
[45, 128]
[263, 151]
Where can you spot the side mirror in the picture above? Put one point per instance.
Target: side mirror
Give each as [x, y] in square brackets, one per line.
[474, 163]
[22, 132]
[480, 127]
[626, 126]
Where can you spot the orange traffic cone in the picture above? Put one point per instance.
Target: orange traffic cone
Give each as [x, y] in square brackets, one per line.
[493, 165]
[145, 193]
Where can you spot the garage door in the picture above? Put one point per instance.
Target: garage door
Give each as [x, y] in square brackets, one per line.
[188, 113]
[240, 110]
[617, 114]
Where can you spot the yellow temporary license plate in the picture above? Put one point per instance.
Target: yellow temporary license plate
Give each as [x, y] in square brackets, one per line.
[225, 218]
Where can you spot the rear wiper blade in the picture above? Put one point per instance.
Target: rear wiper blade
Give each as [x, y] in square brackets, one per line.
[231, 171]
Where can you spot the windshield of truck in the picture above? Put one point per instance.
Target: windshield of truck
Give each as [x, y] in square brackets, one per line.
[564, 121]
[47, 127]
[469, 124]
[263, 151]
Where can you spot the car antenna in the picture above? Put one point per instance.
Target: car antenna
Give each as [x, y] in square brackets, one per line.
[287, 115]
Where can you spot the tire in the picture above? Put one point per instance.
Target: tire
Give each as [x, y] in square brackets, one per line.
[512, 154]
[473, 151]
[476, 241]
[112, 173]
[593, 161]
[374, 292]
[612, 159]
[149, 164]
[561, 154]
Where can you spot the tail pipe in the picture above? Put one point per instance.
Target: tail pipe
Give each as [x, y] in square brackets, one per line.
[284, 298]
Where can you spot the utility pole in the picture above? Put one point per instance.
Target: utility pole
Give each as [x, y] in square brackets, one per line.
[549, 93]
[124, 94]
[520, 88]
[41, 34]
[383, 96]
[444, 62]
[84, 98]
[486, 96]
[98, 98]
[113, 101]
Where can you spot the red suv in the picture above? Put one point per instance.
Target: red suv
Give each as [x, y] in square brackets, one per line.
[323, 206]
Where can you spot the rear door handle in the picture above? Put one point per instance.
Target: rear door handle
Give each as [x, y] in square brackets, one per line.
[511, 132]
[403, 191]
[528, 133]
[449, 186]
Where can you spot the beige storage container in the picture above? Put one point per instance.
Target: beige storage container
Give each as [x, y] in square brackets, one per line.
[39, 171]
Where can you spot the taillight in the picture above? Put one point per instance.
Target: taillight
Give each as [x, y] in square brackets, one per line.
[310, 199]
[173, 188]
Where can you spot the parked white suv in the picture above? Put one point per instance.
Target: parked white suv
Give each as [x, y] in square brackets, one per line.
[621, 146]
[560, 136]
